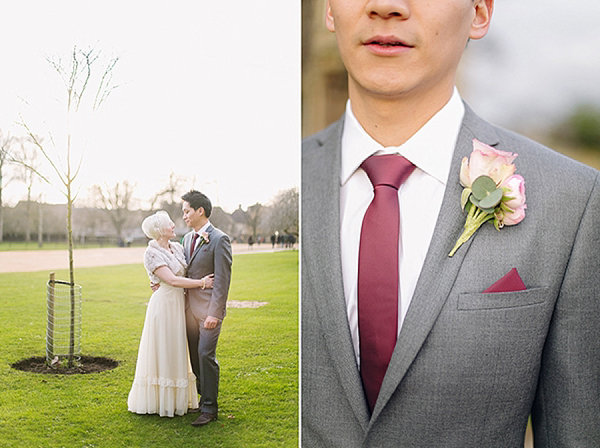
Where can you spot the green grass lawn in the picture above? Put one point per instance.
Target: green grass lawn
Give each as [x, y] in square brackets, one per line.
[258, 353]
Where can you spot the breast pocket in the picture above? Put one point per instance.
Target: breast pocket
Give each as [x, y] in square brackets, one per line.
[502, 300]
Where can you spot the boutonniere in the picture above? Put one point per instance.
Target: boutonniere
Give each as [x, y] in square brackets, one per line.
[492, 190]
[203, 239]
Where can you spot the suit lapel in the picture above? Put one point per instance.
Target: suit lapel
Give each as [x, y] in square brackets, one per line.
[322, 257]
[197, 248]
[188, 244]
[439, 271]
[187, 238]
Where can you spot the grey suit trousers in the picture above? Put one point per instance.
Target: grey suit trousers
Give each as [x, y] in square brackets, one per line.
[215, 257]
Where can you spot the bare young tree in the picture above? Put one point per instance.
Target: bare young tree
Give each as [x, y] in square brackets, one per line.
[76, 75]
[115, 202]
[6, 147]
[169, 197]
[171, 192]
[28, 167]
[284, 214]
[254, 215]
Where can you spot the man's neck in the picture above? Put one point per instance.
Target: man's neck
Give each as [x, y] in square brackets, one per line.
[200, 225]
[391, 121]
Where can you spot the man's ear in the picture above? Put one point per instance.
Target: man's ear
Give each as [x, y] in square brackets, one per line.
[329, 18]
[201, 211]
[483, 17]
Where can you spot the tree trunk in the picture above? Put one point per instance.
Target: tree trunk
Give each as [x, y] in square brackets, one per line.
[71, 276]
[50, 322]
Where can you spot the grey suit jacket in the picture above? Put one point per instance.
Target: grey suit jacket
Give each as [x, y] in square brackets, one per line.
[468, 368]
[212, 258]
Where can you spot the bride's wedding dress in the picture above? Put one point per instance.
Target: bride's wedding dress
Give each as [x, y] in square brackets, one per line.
[164, 383]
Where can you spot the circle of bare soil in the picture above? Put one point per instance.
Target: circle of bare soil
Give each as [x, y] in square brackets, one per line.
[86, 364]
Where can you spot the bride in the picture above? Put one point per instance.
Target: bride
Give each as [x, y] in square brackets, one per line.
[164, 383]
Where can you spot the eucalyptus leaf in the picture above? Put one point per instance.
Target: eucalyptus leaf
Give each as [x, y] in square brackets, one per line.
[477, 203]
[491, 200]
[483, 186]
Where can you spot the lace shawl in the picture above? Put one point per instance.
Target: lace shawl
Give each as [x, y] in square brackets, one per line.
[156, 256]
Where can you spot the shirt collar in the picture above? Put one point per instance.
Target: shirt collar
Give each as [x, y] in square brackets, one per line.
[203, 228]
[430, 149]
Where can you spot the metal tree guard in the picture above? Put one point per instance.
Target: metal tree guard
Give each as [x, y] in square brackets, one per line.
[63, 323]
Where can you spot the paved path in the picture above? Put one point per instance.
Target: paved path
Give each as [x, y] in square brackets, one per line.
[49, 260]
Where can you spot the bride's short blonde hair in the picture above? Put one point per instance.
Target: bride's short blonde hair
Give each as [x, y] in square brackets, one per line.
[154, 226]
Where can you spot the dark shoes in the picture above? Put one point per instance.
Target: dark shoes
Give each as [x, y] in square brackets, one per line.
[194, 410]
[204, 419]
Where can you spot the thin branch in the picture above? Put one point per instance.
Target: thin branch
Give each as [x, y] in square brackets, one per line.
[29, 167]
[39, 145]
[88, 67]
[104, 88]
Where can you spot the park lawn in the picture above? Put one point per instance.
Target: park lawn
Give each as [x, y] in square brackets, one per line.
[258, 353]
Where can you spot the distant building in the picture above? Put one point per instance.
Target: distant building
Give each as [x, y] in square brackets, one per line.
[324, 77]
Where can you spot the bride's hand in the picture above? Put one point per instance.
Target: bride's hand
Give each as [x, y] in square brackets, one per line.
[208, 281]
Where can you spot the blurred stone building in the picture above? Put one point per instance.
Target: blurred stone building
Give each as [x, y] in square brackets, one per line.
[324, 77]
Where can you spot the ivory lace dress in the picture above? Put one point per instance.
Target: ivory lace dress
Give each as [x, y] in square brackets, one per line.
[164, 383]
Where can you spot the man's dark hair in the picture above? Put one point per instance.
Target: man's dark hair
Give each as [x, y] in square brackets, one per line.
[197, 200]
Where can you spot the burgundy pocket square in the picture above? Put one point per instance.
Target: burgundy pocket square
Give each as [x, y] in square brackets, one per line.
[509, 283]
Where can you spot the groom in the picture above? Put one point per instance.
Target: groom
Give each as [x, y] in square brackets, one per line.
[462, 366]
[207, 251]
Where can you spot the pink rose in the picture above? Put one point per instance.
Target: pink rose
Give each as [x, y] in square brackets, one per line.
[486, 161]
[516, 183]
[492, 188]
[510, 219]
[204, 238]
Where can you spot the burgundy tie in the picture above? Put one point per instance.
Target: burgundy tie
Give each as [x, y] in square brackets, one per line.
[193, 246]
[378, 270]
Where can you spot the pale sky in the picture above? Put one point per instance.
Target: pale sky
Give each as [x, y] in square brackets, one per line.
[209, 91]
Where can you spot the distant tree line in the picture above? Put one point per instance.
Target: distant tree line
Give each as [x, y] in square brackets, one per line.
[581, 128]
[113, 220]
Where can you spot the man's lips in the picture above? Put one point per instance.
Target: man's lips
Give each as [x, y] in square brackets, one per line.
[386, 41]
[386, 45]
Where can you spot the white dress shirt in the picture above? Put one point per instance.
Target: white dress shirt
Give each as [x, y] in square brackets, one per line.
[420, 198]
[203, 228]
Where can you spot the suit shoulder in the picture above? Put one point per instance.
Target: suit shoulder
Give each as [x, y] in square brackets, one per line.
[218, 234]
[318, 140]
[543, 157]
[550, 173]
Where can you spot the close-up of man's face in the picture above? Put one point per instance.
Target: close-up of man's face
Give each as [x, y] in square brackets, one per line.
[398, 47]
[190, 216]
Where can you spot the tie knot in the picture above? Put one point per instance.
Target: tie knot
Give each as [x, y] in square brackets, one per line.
[390, 169]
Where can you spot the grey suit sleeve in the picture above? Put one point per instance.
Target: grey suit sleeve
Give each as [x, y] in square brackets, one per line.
[566, 410]
[222, 263]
